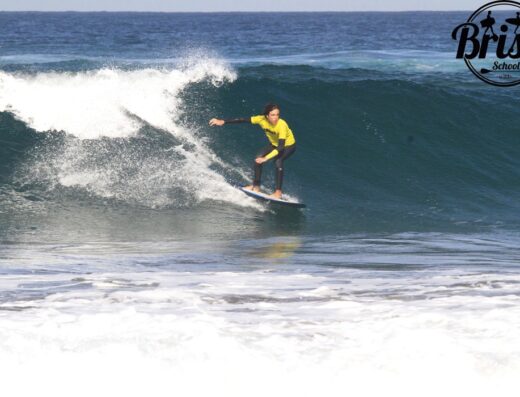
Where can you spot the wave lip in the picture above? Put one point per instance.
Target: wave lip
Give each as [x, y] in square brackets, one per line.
[107, 102]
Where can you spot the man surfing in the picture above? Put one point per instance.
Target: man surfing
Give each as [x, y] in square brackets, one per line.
[281, 144]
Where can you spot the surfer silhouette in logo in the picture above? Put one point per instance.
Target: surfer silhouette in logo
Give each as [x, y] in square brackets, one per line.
[514, 21]
[488, 23]
[281, 144]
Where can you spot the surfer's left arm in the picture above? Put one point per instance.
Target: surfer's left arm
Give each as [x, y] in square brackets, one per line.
[275, 152]
[282, 136]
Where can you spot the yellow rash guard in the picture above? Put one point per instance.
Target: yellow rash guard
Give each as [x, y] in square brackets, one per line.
[274, 133]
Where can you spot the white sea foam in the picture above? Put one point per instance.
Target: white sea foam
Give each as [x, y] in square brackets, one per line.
[99, 103]
[116, 103]
[262, 317]
[263, 332]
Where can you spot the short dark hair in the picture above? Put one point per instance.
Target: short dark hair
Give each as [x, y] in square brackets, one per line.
[270, 107]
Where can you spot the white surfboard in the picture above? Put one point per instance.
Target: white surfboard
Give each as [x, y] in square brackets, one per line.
[265, 197]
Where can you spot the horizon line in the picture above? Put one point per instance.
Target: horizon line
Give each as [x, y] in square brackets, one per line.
[228, 12]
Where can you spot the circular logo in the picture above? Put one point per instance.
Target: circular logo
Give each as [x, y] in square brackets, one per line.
[489, 43]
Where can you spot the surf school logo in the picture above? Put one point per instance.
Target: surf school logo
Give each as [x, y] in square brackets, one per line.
[489, 43]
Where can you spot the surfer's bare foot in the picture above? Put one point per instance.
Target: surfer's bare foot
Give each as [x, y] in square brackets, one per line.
[277, 194]
[253, 188]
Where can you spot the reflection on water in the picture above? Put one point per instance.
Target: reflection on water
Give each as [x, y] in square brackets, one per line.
[277, 250]
[79, 222]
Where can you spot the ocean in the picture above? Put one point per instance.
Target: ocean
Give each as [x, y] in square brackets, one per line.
[131, 264]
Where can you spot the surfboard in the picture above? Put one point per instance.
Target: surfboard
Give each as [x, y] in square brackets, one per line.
[265, 197]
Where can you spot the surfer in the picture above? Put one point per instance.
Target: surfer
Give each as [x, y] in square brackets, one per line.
[514, 21]
[281, 144]
[488, 23]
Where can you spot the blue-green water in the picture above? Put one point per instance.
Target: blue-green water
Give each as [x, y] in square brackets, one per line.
[119, 216]
[393, 133]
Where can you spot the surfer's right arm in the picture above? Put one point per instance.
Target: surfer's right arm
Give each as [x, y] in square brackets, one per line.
[220, 122]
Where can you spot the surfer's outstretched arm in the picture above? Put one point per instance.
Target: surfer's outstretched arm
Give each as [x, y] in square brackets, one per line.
[220, 122]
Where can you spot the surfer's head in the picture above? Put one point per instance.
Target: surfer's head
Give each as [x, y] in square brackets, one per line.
[272, 112]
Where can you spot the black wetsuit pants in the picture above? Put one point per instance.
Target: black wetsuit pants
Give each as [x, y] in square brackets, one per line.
[279, 159]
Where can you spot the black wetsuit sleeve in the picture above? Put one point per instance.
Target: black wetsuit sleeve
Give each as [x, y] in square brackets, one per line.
[236, 121]
[277, 150]
[281, 145]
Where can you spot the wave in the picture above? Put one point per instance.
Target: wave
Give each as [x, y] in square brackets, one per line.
[388, 148]
[397, 60]
[115, 134]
